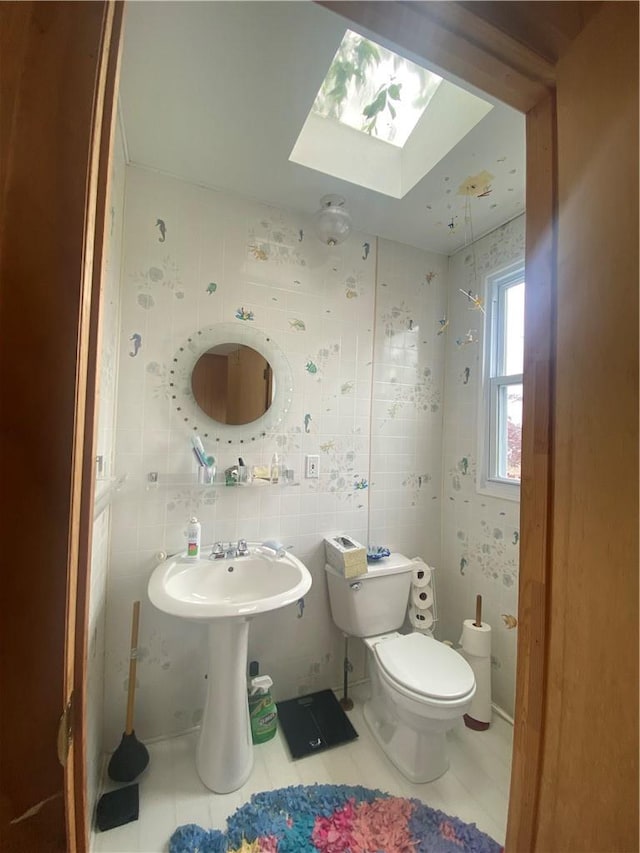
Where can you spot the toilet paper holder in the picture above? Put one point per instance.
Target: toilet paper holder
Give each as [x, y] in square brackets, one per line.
[432, 607]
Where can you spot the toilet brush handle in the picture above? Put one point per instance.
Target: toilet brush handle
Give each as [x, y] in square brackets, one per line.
[133, 656]
[478, 622]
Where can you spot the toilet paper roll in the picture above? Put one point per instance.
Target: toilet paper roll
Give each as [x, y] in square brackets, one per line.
[422, 597]
[476, 640]
[420, 619]
[421, 574]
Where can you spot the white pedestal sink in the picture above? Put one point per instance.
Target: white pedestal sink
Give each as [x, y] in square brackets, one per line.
[226, 593]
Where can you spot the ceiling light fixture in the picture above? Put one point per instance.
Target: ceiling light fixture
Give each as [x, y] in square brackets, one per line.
[332, 222]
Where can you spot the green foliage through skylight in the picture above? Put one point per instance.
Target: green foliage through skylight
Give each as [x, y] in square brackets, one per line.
[374, 90]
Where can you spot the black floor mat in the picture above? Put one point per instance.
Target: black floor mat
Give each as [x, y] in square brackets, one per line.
[314, 723]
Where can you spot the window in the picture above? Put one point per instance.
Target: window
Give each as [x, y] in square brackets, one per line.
[501, 402]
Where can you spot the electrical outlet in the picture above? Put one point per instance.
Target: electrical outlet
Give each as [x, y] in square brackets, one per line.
[312, 470]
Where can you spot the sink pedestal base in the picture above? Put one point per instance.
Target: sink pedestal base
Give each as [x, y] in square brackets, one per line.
[224, 755]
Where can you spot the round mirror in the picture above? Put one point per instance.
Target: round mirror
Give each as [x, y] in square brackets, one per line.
[233, 384]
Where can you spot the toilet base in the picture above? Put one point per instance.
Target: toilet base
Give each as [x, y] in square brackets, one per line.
[419, 756]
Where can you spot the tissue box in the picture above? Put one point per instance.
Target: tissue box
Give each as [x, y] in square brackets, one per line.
[346, 555]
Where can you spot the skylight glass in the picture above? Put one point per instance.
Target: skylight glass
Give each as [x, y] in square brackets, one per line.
[373, 90]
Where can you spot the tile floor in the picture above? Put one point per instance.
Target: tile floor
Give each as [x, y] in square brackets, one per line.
[475, 788]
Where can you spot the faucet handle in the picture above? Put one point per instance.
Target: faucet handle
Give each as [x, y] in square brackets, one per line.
[217, 551]
[243, 548]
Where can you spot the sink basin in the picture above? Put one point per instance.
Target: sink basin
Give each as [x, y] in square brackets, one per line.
[226, 594]
[228, 588]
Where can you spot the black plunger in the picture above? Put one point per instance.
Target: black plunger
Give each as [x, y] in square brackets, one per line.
[131, 756]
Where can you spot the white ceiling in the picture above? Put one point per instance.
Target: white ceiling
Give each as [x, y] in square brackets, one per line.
[216, 93]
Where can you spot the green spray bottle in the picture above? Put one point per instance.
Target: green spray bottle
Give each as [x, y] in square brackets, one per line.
[262, 709]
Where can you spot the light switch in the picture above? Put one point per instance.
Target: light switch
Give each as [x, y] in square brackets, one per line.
[312, 468]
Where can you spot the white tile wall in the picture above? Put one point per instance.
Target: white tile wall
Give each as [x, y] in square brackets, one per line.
[407, 410]
[480, 534]
[377, 391]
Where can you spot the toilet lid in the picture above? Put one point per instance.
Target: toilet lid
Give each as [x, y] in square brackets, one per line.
[425, 666]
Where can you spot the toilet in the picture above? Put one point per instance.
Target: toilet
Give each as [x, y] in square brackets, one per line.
[420, 688]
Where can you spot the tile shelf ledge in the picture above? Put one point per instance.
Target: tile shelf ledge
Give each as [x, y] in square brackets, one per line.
[157, 480]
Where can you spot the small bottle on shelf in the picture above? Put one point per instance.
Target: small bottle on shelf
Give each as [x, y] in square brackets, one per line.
[275, 468]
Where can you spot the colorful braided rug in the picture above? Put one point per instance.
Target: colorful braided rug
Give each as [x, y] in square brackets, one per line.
[334, 819]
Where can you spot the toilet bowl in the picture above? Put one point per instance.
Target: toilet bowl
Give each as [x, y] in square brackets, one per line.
[420, 688]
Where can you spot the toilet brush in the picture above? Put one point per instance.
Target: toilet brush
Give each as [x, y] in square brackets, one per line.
[131, 756]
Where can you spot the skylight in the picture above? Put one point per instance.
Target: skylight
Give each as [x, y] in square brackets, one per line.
[381, 121]
[373, 90]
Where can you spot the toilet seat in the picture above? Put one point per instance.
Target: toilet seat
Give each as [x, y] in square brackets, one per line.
[425, 670]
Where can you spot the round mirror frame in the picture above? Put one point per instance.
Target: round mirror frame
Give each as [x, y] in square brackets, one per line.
[190, 412]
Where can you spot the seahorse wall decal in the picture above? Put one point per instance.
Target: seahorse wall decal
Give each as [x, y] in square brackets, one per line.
[163, 230]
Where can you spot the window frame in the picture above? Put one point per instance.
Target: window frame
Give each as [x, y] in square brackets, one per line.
[494, 381]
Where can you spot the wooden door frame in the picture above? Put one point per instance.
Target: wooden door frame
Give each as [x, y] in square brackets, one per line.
[451, 36]
[83, 495]
[59, 78]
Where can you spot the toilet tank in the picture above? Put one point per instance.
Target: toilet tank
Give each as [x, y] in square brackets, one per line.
[373, 603]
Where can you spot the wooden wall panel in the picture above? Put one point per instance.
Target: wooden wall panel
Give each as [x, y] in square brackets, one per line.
[548, 28]
[50, 222]
[14, 30]
[589, 784]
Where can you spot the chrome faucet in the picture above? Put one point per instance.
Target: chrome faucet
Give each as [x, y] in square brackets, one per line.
[220, 551]
[217, 552]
